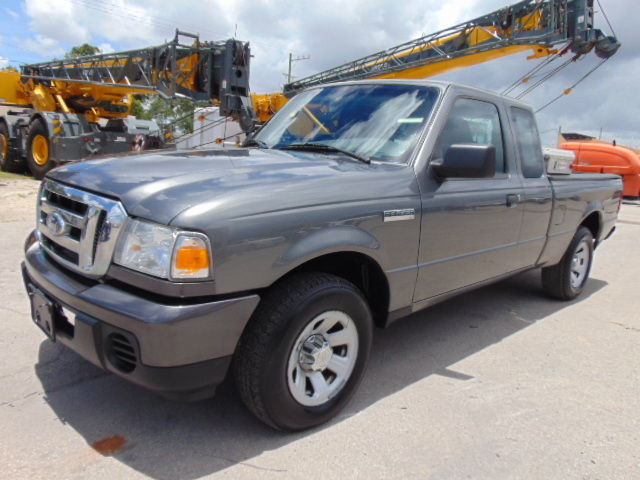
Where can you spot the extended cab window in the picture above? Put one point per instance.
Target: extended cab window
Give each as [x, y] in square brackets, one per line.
[474, 122]
[528, 142]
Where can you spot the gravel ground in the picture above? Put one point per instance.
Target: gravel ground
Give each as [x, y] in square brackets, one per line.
[18, 198]
[498, 383]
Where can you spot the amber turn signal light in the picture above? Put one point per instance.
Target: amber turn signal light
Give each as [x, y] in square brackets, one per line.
[191, 258]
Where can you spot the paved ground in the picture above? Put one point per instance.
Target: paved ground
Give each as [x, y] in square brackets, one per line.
[499, 383]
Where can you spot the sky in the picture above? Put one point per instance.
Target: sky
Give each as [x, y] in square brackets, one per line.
[332, 32]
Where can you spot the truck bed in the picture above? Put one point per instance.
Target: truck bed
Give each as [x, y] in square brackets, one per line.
[574, 196]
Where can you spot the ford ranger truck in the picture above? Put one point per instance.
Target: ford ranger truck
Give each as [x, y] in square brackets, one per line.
[357, 204]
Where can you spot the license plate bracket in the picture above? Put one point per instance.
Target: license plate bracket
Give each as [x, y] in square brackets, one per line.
[43, 312]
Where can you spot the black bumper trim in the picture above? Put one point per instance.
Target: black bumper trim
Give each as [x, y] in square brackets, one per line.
[159, 286]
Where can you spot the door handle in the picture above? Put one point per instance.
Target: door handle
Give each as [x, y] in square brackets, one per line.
[512, 200]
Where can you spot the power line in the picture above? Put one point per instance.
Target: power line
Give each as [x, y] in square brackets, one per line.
[604, 14]
[546, 77]
[17, 60]
[534, 71]
[115, 10]
[217, 140]
[201, 129]
[570, 89]
[165, 24]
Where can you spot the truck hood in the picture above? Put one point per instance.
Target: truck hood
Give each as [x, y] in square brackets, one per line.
[233, 183]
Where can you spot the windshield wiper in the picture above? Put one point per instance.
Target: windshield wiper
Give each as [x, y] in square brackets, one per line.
[252, 142]
[321, 147]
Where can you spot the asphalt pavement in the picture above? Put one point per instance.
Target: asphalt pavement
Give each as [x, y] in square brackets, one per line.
[502, 382]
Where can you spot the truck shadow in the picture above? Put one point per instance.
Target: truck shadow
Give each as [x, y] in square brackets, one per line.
[167, 440]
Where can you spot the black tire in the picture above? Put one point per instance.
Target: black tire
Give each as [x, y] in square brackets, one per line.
[268, 342]
[557, 279]
[38, 169]
[7, 157]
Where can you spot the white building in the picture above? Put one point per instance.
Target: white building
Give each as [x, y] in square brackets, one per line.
[208, 127]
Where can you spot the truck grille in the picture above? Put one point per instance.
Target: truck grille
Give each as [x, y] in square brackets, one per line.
[77, 228]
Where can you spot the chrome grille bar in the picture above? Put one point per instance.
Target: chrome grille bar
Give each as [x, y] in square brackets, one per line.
[72, 219]
[90, 238]
[63, 240]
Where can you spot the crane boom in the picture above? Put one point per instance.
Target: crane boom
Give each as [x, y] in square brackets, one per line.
[70, 100]
[540, 25]
[208, 71]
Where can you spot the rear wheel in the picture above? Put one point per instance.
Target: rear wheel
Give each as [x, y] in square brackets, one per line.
[38, 150]
[304, 352]
[7, 160]
[567, 279]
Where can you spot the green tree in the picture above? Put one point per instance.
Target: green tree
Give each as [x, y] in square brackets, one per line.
[137, 107]
[175, 112]
[82, 51]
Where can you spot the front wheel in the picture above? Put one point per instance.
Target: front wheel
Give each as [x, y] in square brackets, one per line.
[567, 279]
[304, 351]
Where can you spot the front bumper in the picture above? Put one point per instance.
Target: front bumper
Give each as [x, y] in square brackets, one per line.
[179, 349]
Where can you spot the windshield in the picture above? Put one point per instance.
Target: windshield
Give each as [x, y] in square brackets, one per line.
[375, 121]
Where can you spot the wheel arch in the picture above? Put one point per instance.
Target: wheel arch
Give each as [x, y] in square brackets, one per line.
[37, 116]
[593, 222]
[3, 121]
[358, 268]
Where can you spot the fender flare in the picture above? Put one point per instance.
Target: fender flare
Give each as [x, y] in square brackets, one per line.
[43, 119]
[330, 240]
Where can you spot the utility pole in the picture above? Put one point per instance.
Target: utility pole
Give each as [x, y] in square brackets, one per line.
[291, 60]
[559, 134]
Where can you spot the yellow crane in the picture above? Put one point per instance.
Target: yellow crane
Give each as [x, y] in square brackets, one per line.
[65, 110]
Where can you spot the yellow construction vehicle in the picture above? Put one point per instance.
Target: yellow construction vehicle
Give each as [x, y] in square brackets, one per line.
[69, 109]
[549, 28]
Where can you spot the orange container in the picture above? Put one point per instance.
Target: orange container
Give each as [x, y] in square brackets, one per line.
[607, 158]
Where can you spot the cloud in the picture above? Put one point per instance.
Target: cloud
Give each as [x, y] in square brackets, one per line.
[143, 22]
[44, 46]
[106, 48]
[4, 62]
[56, 20]
[12, 13]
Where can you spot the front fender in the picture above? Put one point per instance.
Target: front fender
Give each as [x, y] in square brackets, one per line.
[329, 240]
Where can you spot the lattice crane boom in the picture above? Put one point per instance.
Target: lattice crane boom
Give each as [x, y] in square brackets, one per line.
[547, 27]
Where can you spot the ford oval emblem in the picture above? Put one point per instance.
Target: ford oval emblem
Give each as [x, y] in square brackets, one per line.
[56, 224]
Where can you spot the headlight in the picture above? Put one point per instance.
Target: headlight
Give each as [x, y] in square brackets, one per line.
[163, 251]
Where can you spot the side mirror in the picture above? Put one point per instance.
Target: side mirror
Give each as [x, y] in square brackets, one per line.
[466, 161]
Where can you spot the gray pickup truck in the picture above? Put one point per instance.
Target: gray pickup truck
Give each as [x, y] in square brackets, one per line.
[357, 204]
